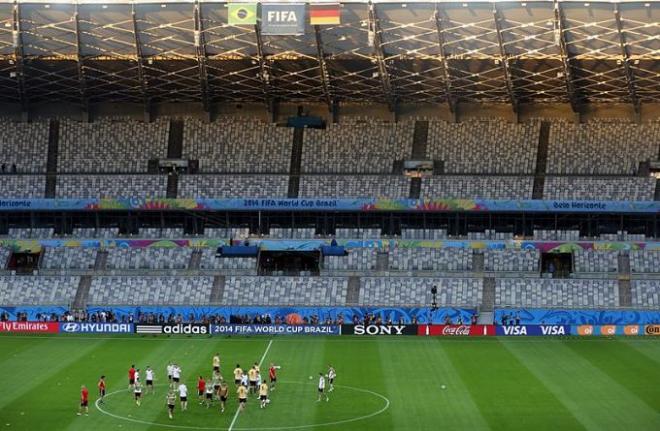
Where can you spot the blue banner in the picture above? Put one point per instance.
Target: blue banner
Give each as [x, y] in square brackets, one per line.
[533, 330]
[329, 204]
[95, 328]
[237, 329]
[538, 316]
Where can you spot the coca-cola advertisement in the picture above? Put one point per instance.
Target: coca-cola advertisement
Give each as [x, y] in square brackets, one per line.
[456, 330]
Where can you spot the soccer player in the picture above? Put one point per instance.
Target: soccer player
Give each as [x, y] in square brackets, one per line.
[238, 374]
[138, 392]
[101, 386]
[217, 378]
[84, 401]
[183, 396]
[209, 395]
[176, 374]
[263, 394]
[332, 375]
[272, 373]
[170, 368]
[322, 388]
[137, 375]
[252, 375]
[244, 380]
[216, 363]
[201, 386]
[242, 392]
[223, 393]
[131, 377]
[171, 401]
[150, 379]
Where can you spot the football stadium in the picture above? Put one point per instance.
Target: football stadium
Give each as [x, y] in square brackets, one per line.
[329, 215]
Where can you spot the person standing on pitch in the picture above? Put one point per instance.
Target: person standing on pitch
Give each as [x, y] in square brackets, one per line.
[84, 401]
[322, 388]
[183, 396]
[332, 375]
[171, 401]
[101, 386]
[224, 393]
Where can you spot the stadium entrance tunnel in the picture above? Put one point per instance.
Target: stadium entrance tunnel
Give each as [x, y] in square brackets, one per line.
[293, 406]
[289, 262]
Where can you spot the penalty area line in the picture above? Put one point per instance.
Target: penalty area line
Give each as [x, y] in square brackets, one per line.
[238, 411]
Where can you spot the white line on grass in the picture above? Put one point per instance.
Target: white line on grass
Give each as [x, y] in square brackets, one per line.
[238, 411]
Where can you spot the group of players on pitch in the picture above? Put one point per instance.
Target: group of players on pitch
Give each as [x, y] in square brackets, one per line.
[209, 390]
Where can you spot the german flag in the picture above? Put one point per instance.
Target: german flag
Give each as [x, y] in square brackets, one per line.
[324, 14]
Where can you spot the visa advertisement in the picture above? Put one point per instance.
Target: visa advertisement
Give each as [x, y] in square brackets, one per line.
[533, 330]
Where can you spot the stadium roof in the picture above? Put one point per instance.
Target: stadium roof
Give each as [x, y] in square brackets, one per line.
[390, 52]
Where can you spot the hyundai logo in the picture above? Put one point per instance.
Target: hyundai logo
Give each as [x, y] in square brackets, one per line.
[70, 327]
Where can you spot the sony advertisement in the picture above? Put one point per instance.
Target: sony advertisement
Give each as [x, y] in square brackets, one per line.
[375, 329]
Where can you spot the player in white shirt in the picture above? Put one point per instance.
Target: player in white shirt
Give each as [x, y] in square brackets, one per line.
[176, 374]
[137, 375]
[137, 392]
[170, 368]
[183, 396]
[209, 394]
[150, 379]
[332, 375]
[322, 388]
[244, 380]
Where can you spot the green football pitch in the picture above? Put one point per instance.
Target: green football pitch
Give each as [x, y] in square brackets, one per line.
[383, 383]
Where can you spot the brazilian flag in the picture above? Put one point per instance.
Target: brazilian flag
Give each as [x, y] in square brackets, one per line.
[242, 13]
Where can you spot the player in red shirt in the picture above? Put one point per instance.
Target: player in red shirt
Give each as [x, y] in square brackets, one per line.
[84, 401]
[131, 377]
[272, 373]
[101, 386]
[201, 387]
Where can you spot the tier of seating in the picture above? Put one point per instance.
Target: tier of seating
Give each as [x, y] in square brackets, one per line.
[24, 145]
[232, 232]
[30, 233]
[361, 233]
[556, 235]
[471, 187]
[111, 186]
[645, 293]
[329, 291]
[354, 186]
[35, 290]
[148, 258]
[601, 147]
[209, 261]
[541, 293]
[288, 233]
[600, 188]
[643, 261]
[358, 259]
[233, 186]
[595, 261]
[126, 290]
[430, 259]
[424, 234]
[490, 234]
[417, 291]
[68, 258]
[238, 146]
[4, 257]
[22, 186]
[359, 148]
[512, 260]
[111, 145]
[469, 147]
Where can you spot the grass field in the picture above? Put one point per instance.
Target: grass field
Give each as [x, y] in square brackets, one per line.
[383, 383]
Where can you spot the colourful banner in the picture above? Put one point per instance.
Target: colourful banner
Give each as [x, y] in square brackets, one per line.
[533, 330]
[322, 204]
[282, 19]
[242, 13]
[456, 330]
[608, 330]
[325, 14]
[576, 317]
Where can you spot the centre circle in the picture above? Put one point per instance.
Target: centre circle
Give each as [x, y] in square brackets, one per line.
[386, 405]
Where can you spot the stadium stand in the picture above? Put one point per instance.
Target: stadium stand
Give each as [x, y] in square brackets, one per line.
[24, 145]
[645, 293]
[429, 234]
[22, 186]
[417, 291]
[358, 259]
[209, 261]
[430, 259]
[470, 187]
[148, 258]
[295, 233]
[354, 186]
[140, 290]
[354, 233]
[4, 257]
[109, 186]
[237, 146]
[111, 145]
[33, 233]
[234, 232]
[600, 188]
[595, 261]
[31, 290]
[329, 291]
[356, 147]
[512, 260]
[233, 186]
[555, 292]
[643, 261]
[68, 258]
[556, 235]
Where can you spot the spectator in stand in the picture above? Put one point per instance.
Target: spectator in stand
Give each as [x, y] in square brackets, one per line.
[13, 168]
[4, 167]
[473, 319]
[447, 319]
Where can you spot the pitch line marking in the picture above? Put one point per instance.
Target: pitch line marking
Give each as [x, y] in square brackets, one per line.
[281, 428]
[238, 410]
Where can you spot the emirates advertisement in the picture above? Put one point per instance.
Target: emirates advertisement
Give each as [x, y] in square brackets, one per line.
[29, 327]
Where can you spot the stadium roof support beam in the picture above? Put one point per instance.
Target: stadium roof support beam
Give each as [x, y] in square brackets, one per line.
[17, 41]
[451, 100]
[200, 51]
[568, 74]
[384, 75]
[142, 77]
[630, 77]
[504, 59]
[263, 69]
[325, 72]
[84, 101]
